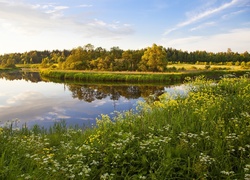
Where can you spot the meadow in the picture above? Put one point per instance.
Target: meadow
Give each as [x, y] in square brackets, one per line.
[204, 134]
[206, 66]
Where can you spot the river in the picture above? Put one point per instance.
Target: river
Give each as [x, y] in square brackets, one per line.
[29, 99]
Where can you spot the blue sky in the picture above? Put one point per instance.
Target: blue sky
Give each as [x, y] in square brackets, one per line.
[210, 25]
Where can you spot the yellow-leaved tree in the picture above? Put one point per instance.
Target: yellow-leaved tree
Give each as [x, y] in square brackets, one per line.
[154, 59]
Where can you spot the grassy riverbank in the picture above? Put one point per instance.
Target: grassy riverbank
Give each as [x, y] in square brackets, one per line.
[8, 69]
[132, 77]
[203, 135]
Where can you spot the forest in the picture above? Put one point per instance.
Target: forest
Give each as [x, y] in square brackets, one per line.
[153, 59]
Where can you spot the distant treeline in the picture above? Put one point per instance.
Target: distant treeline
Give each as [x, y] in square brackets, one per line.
[155, 58]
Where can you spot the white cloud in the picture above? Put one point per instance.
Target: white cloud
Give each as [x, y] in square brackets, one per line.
[25, 19]
[85, 5]
[236, 39]
[56, 11]
[246, 24]
[207, 13]
[180, 41]
[195, 17]
[30, 105]
[58, 8]
[33, 19]
[25, 27]
[108, 29]
[174, 91]
[226, 16]
[57, 115]
[170, 30]
[63, 117]
[202, 26]
[100, 103]
[25, 97]
[87, 119]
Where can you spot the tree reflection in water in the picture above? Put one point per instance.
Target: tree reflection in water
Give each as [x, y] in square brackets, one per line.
[19, 75]
[90, 92]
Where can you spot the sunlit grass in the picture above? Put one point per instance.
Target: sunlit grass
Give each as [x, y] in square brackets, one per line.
[202, 135]
[90, 76]
[131, 77]
[196, 67]
[31, 66]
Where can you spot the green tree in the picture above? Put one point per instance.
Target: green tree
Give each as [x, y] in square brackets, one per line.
[154, 59]
[77, 60]
[24, 58]
[136, 58]
[45, 62]
[8, 63]
[89, 47]
[116, 52]
[127, 59]
[100, 52]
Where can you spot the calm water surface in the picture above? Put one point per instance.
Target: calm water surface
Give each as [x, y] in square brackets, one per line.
[26, 97]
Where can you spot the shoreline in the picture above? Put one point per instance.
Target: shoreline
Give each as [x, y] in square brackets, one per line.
[134, 77]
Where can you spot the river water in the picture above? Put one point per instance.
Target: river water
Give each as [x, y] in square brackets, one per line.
[27, 98]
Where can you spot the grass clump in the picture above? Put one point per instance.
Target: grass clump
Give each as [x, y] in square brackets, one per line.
[89, 76]
[202, 135]
[131, 77]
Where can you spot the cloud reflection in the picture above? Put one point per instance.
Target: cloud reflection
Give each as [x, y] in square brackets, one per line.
[44, 103]
[27, 106]
[25, 97]
[175, 91]
[33, 107]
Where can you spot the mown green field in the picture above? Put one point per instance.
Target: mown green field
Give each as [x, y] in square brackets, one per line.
[202, 135]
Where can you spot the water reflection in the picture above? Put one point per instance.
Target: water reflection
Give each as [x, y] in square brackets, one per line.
[90, 93]
[21, 75]
[26, 96]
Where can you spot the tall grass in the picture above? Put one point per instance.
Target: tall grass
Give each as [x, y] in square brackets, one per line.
[111, 77]
[202, 135]
[131, 77]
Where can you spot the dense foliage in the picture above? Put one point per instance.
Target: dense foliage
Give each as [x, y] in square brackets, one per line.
[204, 134]
[153, 58]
